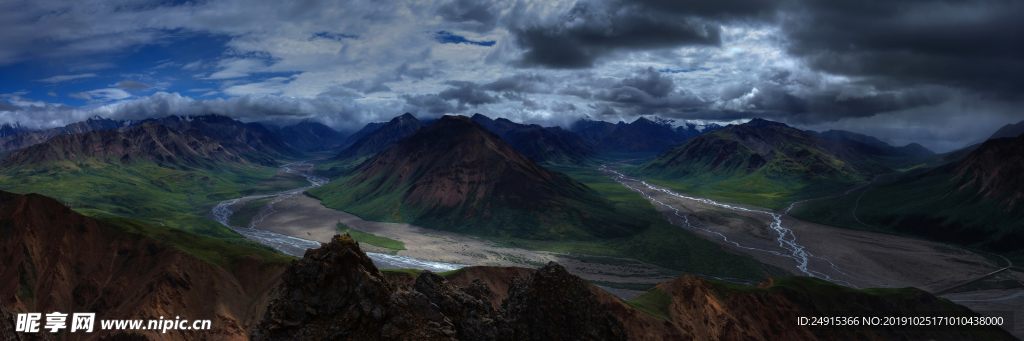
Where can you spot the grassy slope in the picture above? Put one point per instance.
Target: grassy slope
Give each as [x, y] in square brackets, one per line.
[774, 185]
[216, 251]
[924, 203]
[372, 239]
[654, 302]
[146, 192]
[655, 241]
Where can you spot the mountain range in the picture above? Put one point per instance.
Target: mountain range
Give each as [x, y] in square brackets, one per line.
[641, 136]
[151, 141]
[456, 175]
[910, 150]
[544, 145]
[23, 138]
[310, 136]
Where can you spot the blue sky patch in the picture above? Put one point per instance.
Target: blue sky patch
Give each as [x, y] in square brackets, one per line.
[445, 37]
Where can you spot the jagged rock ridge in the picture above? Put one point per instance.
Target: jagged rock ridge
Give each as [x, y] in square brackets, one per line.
[336, 292]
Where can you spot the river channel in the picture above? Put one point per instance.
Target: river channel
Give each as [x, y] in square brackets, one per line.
[297, 246]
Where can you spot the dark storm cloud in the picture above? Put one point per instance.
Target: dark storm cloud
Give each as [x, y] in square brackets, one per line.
[592, 29]
[467, 93]
[475, 15]
[973, 44]
[368, 86]
[575, 91]
[651, 82]
[430, 103]
[528, 83]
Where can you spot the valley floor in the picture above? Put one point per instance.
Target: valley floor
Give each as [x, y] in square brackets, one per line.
[304, 217]
[850, 257]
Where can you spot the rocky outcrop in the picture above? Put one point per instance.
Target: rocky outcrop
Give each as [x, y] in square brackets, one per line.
[552, 304]
[336, 293]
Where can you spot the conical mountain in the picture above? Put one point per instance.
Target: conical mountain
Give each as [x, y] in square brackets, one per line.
[544, 145]
[455, 174]
[381, 138]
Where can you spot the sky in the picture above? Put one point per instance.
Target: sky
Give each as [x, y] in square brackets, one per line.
[939, 73]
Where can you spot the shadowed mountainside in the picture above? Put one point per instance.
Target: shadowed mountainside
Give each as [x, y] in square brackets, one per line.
[593, 131]
[642, 135]
[55, 259]
[544, 145]
[910, 150]
[381, 138]
[977, 201]
[310, 135]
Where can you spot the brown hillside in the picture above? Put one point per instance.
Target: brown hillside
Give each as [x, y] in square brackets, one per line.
[54, 259]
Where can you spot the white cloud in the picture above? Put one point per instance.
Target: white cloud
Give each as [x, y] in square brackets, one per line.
[237, 68]
[109, 94]
[65, 78]
[81, 96]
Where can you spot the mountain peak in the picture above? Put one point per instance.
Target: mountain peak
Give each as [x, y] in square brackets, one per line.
[382, 138]
[760, 122]
[643, 120]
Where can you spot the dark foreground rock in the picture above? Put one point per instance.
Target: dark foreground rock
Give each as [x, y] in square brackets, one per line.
[552, 304]
[336, 293]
